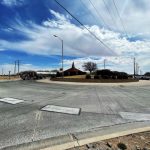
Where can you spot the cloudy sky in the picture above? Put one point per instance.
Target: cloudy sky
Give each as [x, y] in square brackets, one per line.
[27, 28]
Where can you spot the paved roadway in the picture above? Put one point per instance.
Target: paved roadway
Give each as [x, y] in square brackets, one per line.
[100, 106]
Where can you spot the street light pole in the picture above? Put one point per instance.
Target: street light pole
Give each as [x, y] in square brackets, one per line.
[62, 43]
[62, 58]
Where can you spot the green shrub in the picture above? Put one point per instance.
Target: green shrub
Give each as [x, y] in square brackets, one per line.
[96, 77]
[122, 146]
[53, 76]
[88, 76]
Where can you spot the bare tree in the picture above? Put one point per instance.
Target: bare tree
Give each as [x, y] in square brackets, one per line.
[90, 66]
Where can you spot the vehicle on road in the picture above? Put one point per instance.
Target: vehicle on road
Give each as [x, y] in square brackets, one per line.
[33, 75]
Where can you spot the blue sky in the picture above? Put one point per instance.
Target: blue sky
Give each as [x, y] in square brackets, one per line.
[27, 28]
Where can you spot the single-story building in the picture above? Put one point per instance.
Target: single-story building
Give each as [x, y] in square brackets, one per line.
[73, 71]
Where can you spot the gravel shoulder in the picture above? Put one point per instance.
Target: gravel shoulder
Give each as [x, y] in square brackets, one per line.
[138, 141]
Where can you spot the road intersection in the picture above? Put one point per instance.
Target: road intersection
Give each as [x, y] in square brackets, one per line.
[101, 106]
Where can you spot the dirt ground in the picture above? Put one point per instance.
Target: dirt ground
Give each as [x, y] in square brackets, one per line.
[7, 77]
[139, 141]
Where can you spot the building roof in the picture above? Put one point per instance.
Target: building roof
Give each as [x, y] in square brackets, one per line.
[73, 69]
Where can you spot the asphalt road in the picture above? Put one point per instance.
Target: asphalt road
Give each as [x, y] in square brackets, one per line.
[100, 106]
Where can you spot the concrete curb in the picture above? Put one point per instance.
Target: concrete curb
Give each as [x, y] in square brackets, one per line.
[140, 83]
[78, 139]
[96, 139]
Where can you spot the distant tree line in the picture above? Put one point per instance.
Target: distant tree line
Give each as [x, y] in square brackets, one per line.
[103, 74]
[147, 74]
[88, 66]
[108, 74]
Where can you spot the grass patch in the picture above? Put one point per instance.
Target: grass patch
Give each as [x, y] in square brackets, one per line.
[6, 77]
[75, 77]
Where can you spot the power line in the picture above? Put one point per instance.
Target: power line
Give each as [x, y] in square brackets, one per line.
[89, 11]
[83, 25]
[119, 17]
[100, 16]
[17, 66]
[109, 13]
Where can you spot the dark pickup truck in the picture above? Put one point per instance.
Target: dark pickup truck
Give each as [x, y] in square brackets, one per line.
[30, 75]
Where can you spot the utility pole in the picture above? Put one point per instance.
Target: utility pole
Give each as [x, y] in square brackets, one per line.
[15, 68]
[9, 75]
[137, 69]
[140, 72]
[18, 66]
[2, 71]
[134, 66]
[62, 58]
[104, 63]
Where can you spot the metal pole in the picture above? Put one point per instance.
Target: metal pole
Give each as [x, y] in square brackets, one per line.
[140, 72]
[15, 68]
[2, 71]
[138, 67]
[104, 63]
[18, 66]
[9, 75]
[134, 65]
[62, 59]
[62, 54]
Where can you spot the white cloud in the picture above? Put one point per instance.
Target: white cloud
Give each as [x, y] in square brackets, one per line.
[12, 2]
[77, 41]
[5, 68]
[134, 14]
[124, 64]
[58, 16]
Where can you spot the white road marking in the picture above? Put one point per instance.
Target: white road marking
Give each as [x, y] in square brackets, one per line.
[11, 100]
[60, 109]
[135, 116]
